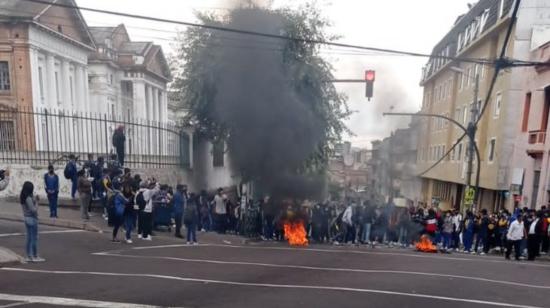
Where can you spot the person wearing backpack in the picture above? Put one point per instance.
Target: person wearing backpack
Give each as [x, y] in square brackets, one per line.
[180, 200]
[140, 206]
[191, 219]
[51, 184]
[148, 196]
[119, 206]
[71, 173]
[85, 194]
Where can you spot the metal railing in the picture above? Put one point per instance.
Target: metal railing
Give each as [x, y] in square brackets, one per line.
[40, 136]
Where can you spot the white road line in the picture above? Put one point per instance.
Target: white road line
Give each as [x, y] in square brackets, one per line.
[428, 256]
[61, 301]
[14, 304]
[270, 285]
[42, 232]
[330, 269]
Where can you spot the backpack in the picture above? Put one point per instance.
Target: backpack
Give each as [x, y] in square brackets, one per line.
[69, 171]
[140, 201]
[189, 214]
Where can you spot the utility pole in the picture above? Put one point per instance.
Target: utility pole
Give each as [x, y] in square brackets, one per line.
[471, 131]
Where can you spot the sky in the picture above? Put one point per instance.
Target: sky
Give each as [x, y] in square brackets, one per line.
[394, 24]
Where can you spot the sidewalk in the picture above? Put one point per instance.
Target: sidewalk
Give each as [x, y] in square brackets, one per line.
[68, 217]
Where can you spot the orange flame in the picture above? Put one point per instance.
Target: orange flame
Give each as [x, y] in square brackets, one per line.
[425, 244]
[295, 233]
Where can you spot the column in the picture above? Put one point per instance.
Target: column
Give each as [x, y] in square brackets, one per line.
[79, 88]
[51, 100]
[65, 85]
[154, 93]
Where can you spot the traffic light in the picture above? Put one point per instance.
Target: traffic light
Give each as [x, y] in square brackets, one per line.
[369, 80]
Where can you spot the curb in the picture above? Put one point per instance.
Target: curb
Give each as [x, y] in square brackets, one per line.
[69, 224]
[9, 258]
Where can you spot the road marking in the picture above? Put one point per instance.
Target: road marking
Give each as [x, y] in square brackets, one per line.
[62, 301]
[42, 232]
[14, 304]
[269, 285]
[429, 256]
[329, 269]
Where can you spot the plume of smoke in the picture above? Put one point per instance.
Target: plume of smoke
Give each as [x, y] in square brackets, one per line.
[272, 128]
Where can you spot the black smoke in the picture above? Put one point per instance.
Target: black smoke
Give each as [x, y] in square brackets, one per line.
[272, 124]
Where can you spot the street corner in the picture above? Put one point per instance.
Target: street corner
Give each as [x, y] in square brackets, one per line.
[9, 258]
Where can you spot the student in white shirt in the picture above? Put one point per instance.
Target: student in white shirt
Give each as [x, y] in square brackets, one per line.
[515, 234]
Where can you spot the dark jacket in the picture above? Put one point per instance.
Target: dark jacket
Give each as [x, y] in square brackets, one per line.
[119, 139]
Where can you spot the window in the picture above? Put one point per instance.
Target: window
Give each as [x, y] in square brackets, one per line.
[4, 76]
[492, 144]
[453, 154]
[218, 153]
[443, 152]
[500, 8]
[111, 79]
[465, 115]
[460, 81]
[458, 114]
[41, 84]
[57, 94]
[468, 76]
[497, 104]
[481, 71]
[459, 156]
[7, 136]
[526, 110]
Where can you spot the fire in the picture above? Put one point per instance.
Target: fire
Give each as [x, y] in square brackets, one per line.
[295, 233]
[426, 244]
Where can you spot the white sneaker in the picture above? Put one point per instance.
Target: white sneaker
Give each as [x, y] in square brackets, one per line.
[195, 243]
[188, 243]
[38, 259]
[29, 260]
[147, 238]
[139, 236]
[482, 254]
[129, 242]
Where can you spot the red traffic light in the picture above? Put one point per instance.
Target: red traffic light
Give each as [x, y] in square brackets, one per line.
[369, 75]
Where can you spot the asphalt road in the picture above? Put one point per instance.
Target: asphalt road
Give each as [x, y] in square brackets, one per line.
[84, 269]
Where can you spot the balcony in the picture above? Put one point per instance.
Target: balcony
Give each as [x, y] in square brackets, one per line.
[536, 140]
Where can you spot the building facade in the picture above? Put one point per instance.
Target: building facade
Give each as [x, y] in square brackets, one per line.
[449, 91]
[348, 172]
[43, 65]
[531, 180]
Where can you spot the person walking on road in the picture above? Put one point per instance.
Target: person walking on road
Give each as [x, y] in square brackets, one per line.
[180, 201]
[118, 211]
[119, 139]
[516, 232]
[51, 184]
[29, 204]
[148, 195]
[85, 192]
[534, 230]
[191, 219]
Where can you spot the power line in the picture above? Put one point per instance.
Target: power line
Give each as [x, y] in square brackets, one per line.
[261, 34]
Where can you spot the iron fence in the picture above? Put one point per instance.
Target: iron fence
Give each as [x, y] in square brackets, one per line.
[43, 136]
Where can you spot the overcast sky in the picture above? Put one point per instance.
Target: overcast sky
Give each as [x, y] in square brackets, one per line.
[395, 24]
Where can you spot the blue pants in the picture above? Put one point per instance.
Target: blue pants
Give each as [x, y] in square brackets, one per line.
[403, 236]
[447, 240]
[52, 201]
[191, 232]
[31, 224]
[73, 187]
[366, 232]
[468, 239]
[129, 223]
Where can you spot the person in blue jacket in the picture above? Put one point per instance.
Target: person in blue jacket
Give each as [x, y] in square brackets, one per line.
[51, 184]
[119, 202]
[468, 233]
[180, 201]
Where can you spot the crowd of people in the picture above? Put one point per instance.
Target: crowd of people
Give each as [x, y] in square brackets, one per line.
[142, 206]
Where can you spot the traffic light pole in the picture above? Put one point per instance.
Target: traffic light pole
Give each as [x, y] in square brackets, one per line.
[471, 131]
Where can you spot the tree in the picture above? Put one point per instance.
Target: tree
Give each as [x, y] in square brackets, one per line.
[270, 99]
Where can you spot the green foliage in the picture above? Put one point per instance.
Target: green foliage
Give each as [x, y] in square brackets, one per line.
[198, 57]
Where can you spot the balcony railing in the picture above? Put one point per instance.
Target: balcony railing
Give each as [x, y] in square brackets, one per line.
[537, 137]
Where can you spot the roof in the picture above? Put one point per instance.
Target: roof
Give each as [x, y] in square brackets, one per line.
[20, 9]
[138, 48]
[101, 33]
